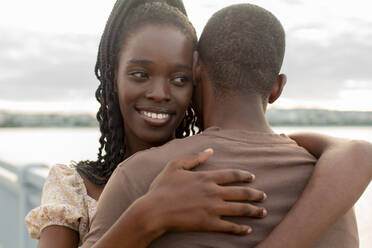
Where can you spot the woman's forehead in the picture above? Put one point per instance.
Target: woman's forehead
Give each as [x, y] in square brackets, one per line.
[153, 42]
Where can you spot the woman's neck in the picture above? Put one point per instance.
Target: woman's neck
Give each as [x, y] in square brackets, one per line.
[134, 144]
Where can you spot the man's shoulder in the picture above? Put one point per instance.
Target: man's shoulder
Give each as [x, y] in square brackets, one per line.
[159, 156]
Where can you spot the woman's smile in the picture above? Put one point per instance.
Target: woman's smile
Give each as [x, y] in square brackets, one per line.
[155, 118]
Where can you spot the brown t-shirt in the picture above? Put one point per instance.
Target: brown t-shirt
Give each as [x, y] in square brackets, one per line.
[281, 167]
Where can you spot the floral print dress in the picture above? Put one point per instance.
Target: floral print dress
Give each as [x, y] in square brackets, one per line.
[64, 202]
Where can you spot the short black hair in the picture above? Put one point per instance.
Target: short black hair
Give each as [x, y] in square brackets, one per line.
[242, 48]
[126, 15]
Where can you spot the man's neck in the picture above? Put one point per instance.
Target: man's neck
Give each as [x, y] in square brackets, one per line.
[237, 112]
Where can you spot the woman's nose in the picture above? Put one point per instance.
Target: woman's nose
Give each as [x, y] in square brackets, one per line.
[159, 90]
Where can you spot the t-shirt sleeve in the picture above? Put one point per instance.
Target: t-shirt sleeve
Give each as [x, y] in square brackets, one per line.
[62, 202]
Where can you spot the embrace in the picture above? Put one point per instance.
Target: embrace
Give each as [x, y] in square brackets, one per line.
[187, 157]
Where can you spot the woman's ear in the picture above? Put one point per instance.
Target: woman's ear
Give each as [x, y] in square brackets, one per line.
[277, 89]
[196, 68]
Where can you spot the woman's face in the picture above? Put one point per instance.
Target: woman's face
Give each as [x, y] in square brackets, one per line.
[154, 84]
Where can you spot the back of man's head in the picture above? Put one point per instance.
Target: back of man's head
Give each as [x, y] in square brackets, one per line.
[242, 49]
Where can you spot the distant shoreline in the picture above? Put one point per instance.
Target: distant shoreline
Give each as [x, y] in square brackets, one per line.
[276, 117]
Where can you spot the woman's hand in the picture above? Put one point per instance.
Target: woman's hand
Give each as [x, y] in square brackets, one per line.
[195, 200]
[181, 200]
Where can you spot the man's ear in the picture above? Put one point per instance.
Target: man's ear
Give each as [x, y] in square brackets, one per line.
[196, 70]
[277, 89]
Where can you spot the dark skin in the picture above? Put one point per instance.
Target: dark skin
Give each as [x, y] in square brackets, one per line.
[154, 77]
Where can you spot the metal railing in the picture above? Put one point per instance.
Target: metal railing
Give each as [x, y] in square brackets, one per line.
[20, 191]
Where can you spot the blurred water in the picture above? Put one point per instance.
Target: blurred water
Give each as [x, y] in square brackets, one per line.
[49, 146]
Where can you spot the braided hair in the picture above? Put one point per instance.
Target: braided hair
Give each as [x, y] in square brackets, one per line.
[128, 14]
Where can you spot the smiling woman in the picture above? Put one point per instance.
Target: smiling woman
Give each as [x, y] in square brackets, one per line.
[154, 84]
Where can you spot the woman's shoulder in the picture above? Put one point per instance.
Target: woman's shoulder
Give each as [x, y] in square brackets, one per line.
[63, 170]
[64, 202]
[66, 185]
[63, 179]
[93, 190]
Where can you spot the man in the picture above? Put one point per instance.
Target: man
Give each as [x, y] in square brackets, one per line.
[241, 52]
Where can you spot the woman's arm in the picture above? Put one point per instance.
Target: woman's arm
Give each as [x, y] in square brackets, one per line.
[341, 175]
[59, 237]
[180, 200]
[56, 221]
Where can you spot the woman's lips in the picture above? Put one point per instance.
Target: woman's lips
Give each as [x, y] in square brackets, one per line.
[155, 118]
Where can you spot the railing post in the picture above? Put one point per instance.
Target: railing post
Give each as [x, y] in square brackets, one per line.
[24, 206]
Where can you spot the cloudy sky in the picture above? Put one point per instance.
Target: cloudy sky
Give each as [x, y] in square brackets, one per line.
[48, 50]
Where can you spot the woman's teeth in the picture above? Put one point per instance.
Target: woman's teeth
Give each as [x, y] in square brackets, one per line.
[155, 115]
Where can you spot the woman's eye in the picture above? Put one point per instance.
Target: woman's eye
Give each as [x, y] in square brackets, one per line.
[139, 74]
[180, 80]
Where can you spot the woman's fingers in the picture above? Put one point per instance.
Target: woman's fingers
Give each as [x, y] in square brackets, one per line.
[224, 176]
[239, 193]
[195, 160]
[230, 227]
[229, 176]
[240, 209]
[192, 161]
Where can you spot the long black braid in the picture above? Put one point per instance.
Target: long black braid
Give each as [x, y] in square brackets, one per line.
[112, 141]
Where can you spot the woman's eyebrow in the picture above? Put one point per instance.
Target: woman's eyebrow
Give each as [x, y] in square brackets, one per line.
[140, 61]
[147, 62]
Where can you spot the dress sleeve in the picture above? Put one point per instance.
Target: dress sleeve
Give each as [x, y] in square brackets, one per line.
[62, 202]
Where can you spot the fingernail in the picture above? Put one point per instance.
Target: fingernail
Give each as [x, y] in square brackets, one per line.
[263, 212]
[253, 177]
[208, 150]
[264, 197]
[249, 229]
